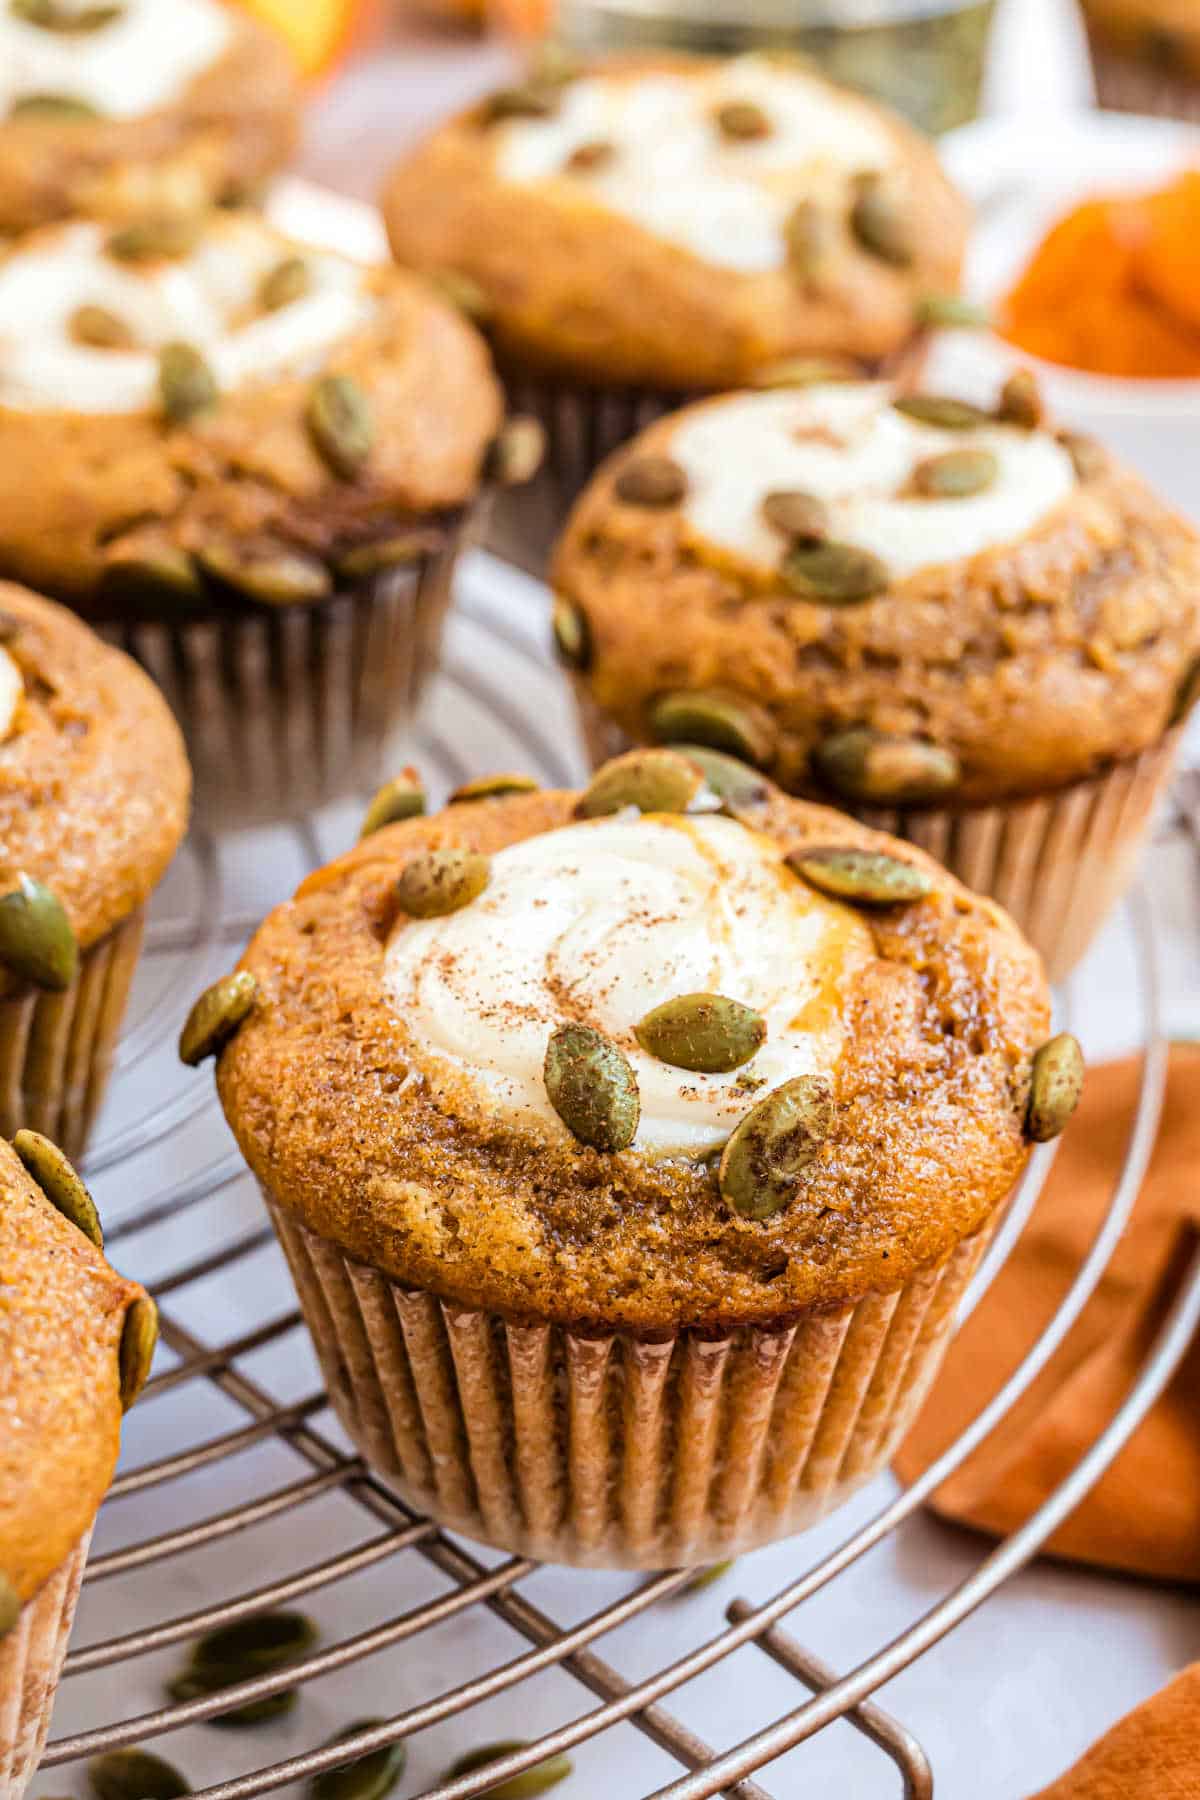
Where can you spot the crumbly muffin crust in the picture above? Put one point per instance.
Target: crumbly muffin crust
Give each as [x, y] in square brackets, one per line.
[62, 1310]
[323, 1088]
[573, 288]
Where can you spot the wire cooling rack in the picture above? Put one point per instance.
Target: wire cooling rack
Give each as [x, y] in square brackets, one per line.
[238, 1492]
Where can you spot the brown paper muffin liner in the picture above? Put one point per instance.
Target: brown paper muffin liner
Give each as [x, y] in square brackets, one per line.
[1059, 862]
[1136, 84]
[287, 708]
[606, 1450]
[31, 1659]
[56, 1050]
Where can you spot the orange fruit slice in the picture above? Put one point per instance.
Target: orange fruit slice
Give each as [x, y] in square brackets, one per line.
[317, 31]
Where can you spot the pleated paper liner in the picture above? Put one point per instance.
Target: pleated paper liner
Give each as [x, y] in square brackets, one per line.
[611, 1451]
[56, 1050]
[31, 1660]
[287, 708]
[1135, 84]
[1059, 863]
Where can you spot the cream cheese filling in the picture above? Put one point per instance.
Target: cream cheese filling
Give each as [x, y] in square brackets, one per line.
[673, 173]
[600, 922]
[847, 445]
[141, 60]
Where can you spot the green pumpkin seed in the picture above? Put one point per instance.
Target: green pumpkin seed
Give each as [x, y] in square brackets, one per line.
[807, 371]
[369, 1777]
[554, 65]
[439, 882]
[219, 1012]
[653, 481]
[135, 1775]
[138, 1341]
[51, 16]
[493, 787]
[941, 411]
[956, 475]
[742, 121]
[152, 570]
[1186, 694]
[403, 797]
[463, 293]
[737, 784]
[713, 720]
[706, 1032]
[873, 766]
[592, 1088]
[585, 159]
[868, 876]
[60, 1182]
[255, 1712]
[56, 109]
[655, 781]
[37, 942]
[260, 569]
[769, 1151]
[516, 455]
[950, 312]
[832, 574]
[537, 1780]
[156, 237]
[340, 424]
[881, 222]
[572, 634]
[187, 386]
[98, 329]
[530, 100]
[289, 281]
[398, 551]
[1055, 1087]
[706, 1578]
[808, 235]
[803, 517]
[255, 1646]
[10, 1605]
[1021, 401]
[1086, 453]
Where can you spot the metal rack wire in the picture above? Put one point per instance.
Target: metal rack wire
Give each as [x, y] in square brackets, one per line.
[254, 1372]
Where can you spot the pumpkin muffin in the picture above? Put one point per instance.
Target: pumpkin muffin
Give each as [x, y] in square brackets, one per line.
[651, 226]
[170, 102]
[94, 789]
[1146, 54]
[76, 1343]
[970, 629]
[632, 1149]
[253, 464]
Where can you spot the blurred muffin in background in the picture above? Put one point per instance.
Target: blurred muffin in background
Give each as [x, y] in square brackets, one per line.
[1146, 55]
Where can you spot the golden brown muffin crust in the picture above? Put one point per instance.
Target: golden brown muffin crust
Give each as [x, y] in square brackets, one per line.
[1164, 34]
[582, 291]
[62, 1310]
[323, 1089]
[1036, 662]
[94, 782]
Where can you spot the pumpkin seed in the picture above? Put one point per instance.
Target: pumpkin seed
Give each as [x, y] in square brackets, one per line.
[770, 1149]
[585, 159]
[950, 312]
[58, 109]
[705, 1578]
[808, 236]
[516, 454]
[797, 515]
[706, 1032]
[572, 633]
[216, 1016]
[340, 425]
[742, 121]
[1055, 1087]
[138, 1341]
[369, 1777]
[526, 1786]
[592, 1087]
[289, 281]
[51, 16]
[655, 781]
[151, 568]
[255, 1712]
[37, 942]
[1086, 453]
[60, 1182]
[439, 882]
[493, 787]
[739, 786]
[403, 797]
[867, 765]
[869, 876]
[364, 562]
[1021, 401]
[272, 573]
[653, 481]
[98, 329]
[255, 1646]
[186, 384]
[957, 474]
[155, 237]
[135, 1775]
[10, 1605]
[531, 100]
[881, 222]
[713, 720]
[554, 65]
[463, 293]
[832, 574]
[942, 411]
[806, 371]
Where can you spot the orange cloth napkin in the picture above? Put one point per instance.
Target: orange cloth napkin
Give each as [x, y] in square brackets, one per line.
[1151, 1755]
[1144, 1515]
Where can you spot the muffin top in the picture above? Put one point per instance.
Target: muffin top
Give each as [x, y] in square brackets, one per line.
[1165, 33]
[94, 782]
[630, 1067]
[101, 102]
[895, 599]
[62, 1319]
[198, 398]
[679, 222]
